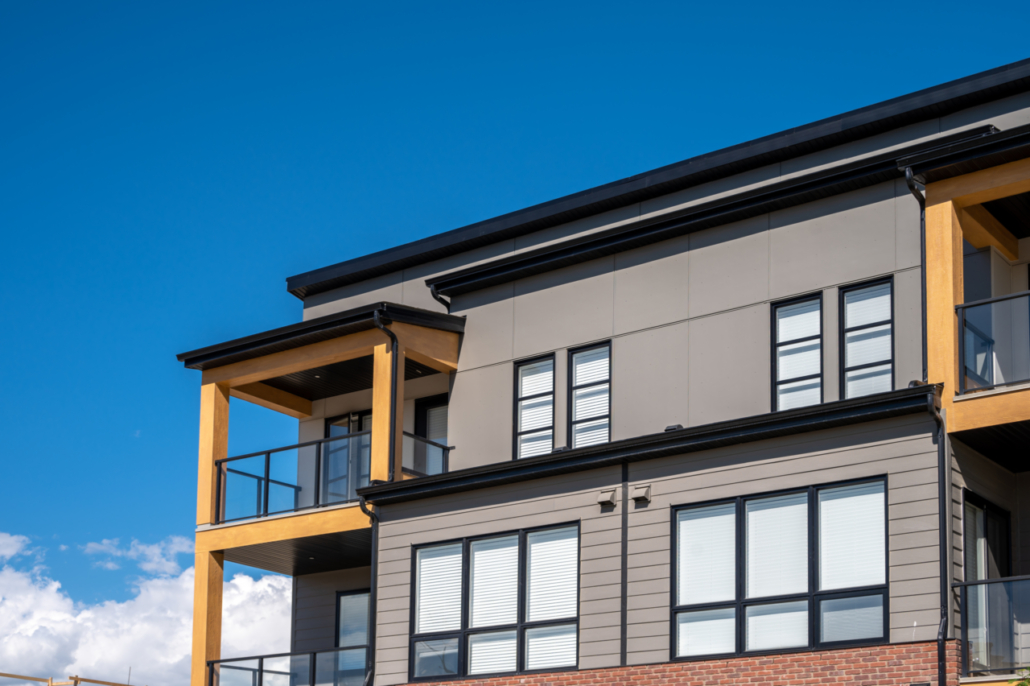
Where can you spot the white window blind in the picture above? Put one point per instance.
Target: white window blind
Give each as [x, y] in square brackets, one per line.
[798, 371]
[851, 619]
[706, 632]
[438, 589]
[706, 561]
[777, 545]
[590, 366]
[436, 420]
[852, 543]
[867, 305]
[550, 647]
[492, 653]
[535, 408]
[868, 341]
[779, 625]
[494, 575]
[591, 393]
[536, 378]
[796, 321]
[553, 574]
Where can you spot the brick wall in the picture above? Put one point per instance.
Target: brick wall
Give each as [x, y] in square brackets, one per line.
[899, 664]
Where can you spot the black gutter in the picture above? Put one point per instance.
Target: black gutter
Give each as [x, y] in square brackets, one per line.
[379, 320]
[965, 157]
[868, 121]
[912, 187]
[372, 591]
[776, 196]
[315, 330]
[679, 442]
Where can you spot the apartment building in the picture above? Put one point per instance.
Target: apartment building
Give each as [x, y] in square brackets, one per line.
[761, 415]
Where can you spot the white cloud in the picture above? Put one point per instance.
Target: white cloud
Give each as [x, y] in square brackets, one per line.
[43, 632]
[153, 558]
[11, 545]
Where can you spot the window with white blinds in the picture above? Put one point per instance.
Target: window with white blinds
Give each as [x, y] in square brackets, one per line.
[798, 361]
[867, 330]
[534, 407]
[497, 634]
[590, 396]
[743, 569]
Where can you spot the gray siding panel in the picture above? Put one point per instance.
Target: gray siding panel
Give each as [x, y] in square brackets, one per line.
[314, 606]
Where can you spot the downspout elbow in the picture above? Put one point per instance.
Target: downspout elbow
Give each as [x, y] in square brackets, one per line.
[439, 298]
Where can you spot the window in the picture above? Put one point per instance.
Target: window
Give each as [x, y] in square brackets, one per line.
[781, 572]
[534, 407]
[797, 353]
[352, 619]
[430, 423]
[346, 464]
[497, 604]
[590, 395]
[867, 340]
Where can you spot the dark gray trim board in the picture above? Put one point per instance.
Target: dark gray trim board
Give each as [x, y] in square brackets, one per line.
[315, 330]
[868, 121]
[905, 401]
[737, 207]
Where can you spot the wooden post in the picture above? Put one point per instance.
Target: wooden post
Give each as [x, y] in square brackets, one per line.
[207, 613]
[944, 290]
[214, 445]
[381, 385]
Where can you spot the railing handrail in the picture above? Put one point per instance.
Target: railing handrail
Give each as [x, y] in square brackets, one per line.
[988, 301]
[1004, 579]
[275, 655]
[293, 447]
[426, 440]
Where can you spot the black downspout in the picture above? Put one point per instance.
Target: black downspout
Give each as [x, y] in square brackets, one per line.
[943, 528]
[910, 180]
[392, 450]
[370, 674]
[439, 298]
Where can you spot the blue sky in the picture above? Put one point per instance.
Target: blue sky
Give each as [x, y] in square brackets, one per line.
[165, 166]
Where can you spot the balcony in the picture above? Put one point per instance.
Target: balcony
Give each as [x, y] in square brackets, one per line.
[338, 667]
[995, 626]
[994, 342]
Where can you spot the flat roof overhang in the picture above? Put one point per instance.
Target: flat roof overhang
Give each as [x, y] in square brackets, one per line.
[1006, 444]
[936, 101]
[308, 555]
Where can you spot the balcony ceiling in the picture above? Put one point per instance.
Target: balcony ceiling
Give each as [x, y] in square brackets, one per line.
[1013, 212]
[324, 553]
[1006, 444]
[340, 378]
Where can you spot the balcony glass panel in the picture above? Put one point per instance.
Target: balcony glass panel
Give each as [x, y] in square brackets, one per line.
[243, 488]
[996, 620]
[237, 673]
[345, 467]
[423, 457]
[995, 340]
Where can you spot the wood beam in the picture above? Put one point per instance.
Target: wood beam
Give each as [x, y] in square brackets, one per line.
[297, 360]
[981, 229]
[989, 410]
[982, 186]
[943, 292]
[382, 374]
[214, 445]
[324, 521]
[208, 571]
[274, 399]
[431, 347]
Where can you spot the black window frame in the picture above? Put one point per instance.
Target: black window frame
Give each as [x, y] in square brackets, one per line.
[775, 346]
[520, 626]
[422, 407]
[569, 422]
[842, 332]
[361, 414]
[990, 509]
[813, 595]
[368, 625]
[518, 399]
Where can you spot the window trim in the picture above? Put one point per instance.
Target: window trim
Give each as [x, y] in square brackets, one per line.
[813, 595]
[516, 399]
[519, 627]
[569, 423]
[775, 345]
[842, 334]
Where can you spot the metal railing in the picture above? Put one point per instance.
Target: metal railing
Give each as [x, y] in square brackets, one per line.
[995, 620]
[297, 477]
[337, 667]
[994, 342]
[423, 457]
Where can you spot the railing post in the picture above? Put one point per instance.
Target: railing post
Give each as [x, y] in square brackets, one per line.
[964, 648]
[218, 492]
[268, 477]
[961, 350]
[311, 670]
[210, 674]
[318, 477]
[260, 672]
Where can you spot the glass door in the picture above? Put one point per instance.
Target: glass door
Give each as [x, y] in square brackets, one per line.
[352, 618]
[986, 552]
[346, 463]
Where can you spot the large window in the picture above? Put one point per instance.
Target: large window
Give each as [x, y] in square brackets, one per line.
[797, 353]
[867, 340]
[496, 605]
[534, 407]
[590, 395]
[781, 572]
[352, 618]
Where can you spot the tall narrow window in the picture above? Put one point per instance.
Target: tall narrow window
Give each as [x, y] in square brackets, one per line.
[797, 355]
[867, 340]
[590, 396]
[534, 408]
[352, 634]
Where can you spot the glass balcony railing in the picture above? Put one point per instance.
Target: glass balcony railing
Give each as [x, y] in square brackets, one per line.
[995, 626]
[297, 477]
[994, 342]
[339, 667]
[423, 457]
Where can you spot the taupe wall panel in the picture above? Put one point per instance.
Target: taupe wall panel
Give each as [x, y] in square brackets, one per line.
[489, 326]
[314, 606]
[479, 420]
[651, 285]
[831, 345]
[908, 327]
[729, 266]
[649, 381]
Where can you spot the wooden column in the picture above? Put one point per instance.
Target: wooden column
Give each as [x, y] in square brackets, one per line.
[381, 384]
[943, 293]
[214, 445]
[207, 613]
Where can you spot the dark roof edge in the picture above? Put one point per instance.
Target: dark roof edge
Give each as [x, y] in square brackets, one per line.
[727, 209]
[964, 156]
[735, 432]
[867, 121]
[346, 320]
